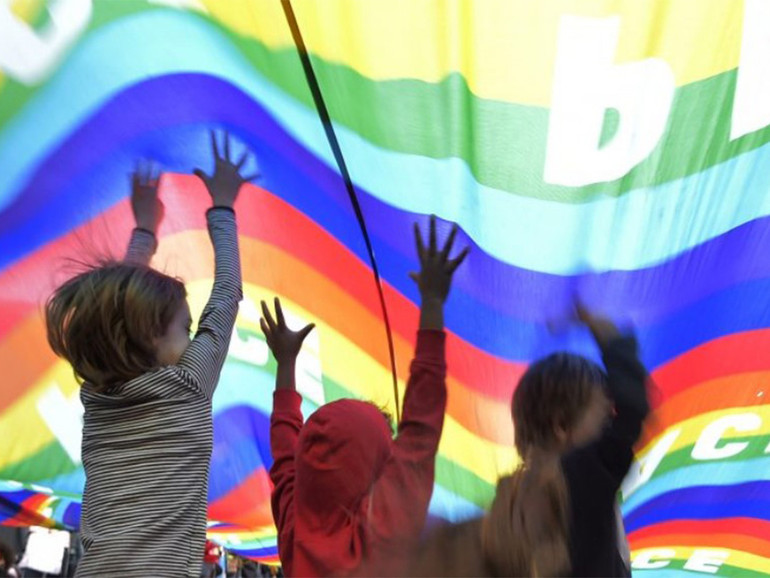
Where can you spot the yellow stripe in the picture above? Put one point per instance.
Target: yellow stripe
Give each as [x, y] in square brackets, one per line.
[343, 362]
[22, 429]
[692, 428]
[505, 49]
[736, 558]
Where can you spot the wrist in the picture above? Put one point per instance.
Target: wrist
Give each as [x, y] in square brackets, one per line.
[431, 300]
[226, 203]
[432, 314]
[284, 376]
[150, 227]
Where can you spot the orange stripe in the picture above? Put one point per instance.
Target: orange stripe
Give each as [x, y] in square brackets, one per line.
[24, 357]
[738, 390]
[729, 355]
[24, 284]
[247, 505]
[739, 542]
[291, 277]
[267, 266]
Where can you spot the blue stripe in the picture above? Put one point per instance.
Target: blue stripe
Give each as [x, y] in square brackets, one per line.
[750, 500]
[241, 446]
[686, 212]
[736, 309]
[716, 474]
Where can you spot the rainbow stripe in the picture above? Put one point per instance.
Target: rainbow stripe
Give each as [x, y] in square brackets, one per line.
[439, 107]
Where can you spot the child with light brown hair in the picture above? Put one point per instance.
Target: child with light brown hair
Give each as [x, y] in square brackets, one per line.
[147, 387]
[575, 425]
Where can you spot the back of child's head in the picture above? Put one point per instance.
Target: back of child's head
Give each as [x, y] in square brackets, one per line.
[525, 532]
[104, 321]
[552, 394]
[341, 451]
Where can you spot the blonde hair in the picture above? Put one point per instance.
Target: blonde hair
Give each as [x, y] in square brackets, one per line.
[526, 531]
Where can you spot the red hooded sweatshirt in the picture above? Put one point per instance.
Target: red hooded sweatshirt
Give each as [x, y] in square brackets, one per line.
[348, 498]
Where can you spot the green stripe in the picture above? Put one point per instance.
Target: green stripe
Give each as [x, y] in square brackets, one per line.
[49, 462]
[14, 95]
[458, 480]
[724, 570]
[682, 457]
[502, 143]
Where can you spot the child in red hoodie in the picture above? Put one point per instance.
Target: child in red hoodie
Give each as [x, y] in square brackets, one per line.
[348, 498]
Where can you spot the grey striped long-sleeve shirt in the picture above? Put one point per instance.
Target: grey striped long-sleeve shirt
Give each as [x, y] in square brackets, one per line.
[147, 443]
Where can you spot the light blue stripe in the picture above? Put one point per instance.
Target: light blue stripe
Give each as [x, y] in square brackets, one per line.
[244, 384]
[710, 474]
[644, 227]
[451, 507]
[71, 482]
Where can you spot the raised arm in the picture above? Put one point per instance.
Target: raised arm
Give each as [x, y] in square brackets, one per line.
[148, 213]
[627, 382]
[400, 496]
[285, 421]
[204, 357]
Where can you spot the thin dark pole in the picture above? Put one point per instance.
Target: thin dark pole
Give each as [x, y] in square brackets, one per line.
[323, 113]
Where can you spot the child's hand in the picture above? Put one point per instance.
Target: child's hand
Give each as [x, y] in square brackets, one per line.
[436, 268]
[435, 276]
[604, 330]
[226, 181]
[147, 207]
[282, 341]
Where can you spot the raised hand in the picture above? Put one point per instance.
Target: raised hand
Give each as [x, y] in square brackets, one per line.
[282, 341]
[603, 329]
[436, 268]
[224, 184]
[147, 207]
[435, 276]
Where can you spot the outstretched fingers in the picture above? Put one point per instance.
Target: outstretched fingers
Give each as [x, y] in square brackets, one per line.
[267, 331]
[432, 241]
[268, 318]
[453, 264]
[227, 146]
[447, 248]
[242, 160]
[279, 313]
[214, 145]
[419, 242]
[305, 331]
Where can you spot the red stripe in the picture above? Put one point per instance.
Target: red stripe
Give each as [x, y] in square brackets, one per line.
[743, 526]
[246, 505]
[738, 353]
[27, 283]
[741, 534]
[24, 285]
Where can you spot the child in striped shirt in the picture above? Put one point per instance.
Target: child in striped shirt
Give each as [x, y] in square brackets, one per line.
[147, 387]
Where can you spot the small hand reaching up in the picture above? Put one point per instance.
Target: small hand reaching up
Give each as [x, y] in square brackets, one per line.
[147, 207]
[435, 277]
[603, 329]
[282, 341]
[225, 183]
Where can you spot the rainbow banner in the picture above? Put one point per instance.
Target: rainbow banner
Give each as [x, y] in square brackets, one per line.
[616, 149]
